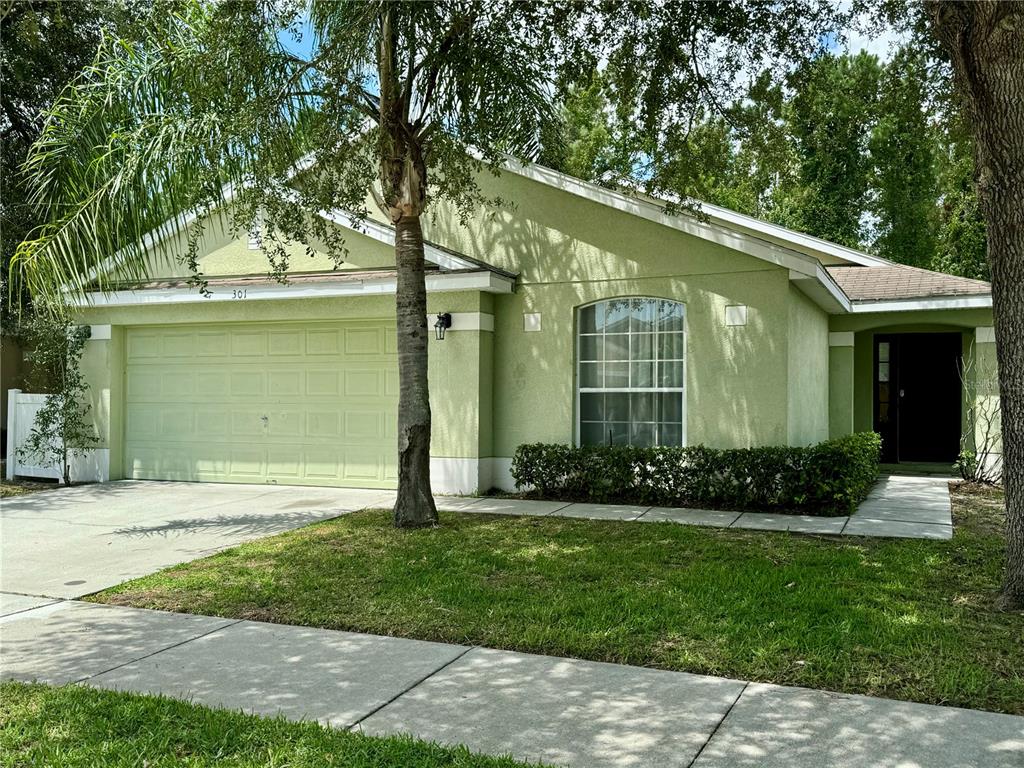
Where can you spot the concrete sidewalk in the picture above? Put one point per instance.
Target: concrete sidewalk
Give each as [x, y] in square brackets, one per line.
[898, 506]
[561, 711]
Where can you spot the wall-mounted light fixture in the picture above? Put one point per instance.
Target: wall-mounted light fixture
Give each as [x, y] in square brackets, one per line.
[444, 321]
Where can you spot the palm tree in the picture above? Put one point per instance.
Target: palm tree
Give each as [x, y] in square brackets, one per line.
[401, 102]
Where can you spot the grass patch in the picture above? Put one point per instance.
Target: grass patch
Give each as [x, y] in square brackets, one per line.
[906, 619]
[10, 489]
[77, 726]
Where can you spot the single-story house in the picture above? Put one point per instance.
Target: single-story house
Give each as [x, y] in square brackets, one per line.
[579, 315]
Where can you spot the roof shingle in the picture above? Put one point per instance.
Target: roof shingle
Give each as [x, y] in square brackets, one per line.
[899, 281]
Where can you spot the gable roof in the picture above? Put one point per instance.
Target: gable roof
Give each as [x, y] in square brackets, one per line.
[860, 282]
[874, 283]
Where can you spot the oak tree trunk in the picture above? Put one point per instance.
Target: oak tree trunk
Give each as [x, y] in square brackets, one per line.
[415, 504]
[985, 42]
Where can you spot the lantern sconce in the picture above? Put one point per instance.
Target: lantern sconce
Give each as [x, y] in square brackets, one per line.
[444, 321]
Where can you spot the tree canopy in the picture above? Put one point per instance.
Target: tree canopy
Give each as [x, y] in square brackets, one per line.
[869, 154]
[44, 44]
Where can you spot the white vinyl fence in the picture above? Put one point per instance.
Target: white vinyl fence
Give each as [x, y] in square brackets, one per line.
[22, 408]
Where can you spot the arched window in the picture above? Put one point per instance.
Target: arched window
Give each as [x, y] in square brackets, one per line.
[631, 372]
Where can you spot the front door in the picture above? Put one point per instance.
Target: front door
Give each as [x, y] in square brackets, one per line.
[918, 396]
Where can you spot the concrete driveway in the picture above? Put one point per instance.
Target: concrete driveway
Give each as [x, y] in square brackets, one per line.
[70, 542]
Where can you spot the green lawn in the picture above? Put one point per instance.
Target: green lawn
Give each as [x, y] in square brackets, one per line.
[76, 726]
[905, 619]
[22, 487]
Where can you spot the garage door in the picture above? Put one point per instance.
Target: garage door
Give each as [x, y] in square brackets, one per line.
[304, 404]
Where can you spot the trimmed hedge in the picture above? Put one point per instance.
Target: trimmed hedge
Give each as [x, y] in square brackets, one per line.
[829, 478]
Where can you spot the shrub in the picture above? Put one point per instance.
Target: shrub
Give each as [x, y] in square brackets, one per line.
[829, 478]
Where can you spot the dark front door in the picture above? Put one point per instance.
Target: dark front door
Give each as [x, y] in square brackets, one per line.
[918, 396]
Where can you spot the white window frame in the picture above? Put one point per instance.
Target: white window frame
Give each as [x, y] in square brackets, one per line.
[577, 335]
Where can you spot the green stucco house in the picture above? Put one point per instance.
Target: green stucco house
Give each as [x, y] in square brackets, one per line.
[578, 315]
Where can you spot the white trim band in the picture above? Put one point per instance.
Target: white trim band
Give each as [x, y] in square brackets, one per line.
[459, 476]
[985, 334]
[488, 282]
[99, 332]
[841, 339]
[467, 321]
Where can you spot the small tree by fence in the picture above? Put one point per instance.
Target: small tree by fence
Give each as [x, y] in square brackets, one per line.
[62, 430]
[981, 458]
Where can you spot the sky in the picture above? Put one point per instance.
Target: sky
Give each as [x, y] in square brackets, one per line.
[881, 44]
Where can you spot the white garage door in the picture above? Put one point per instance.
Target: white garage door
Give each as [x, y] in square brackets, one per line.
[305, 404]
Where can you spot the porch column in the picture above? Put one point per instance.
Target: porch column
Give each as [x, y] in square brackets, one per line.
[983, 387]
[840, 384]
[102, 367]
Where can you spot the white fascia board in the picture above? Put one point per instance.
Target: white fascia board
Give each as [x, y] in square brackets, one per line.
[385, 234]
[488, 282]
[799, 240]
[983, 301]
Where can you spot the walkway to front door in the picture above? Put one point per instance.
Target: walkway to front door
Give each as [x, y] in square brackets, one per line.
[899, 506]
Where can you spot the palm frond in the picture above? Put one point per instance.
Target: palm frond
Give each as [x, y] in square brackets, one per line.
[152, 131]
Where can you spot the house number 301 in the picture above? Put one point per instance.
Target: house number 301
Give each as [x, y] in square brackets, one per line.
[238, 294]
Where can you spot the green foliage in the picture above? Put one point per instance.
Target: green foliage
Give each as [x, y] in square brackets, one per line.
[208, 104]
[62, 429]
[966, 464]
[829, 478]
[871, 155]
[672, 65]
[581, 141]
[962, 248]
[43, 46]
[830, 114]
[902, 148]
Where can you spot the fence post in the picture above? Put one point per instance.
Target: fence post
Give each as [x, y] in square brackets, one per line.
[12, 424]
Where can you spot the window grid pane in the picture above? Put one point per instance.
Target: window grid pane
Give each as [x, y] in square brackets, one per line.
[631, 372]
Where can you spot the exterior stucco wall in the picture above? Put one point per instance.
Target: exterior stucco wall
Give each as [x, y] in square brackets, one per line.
[735, 376]
[774, 380]
[570, 252]
[986, 426]
[808, 384]
[490, 392]
[221, 253]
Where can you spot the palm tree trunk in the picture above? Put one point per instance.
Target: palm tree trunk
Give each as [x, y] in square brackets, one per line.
[415, 504]
[985, 43]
